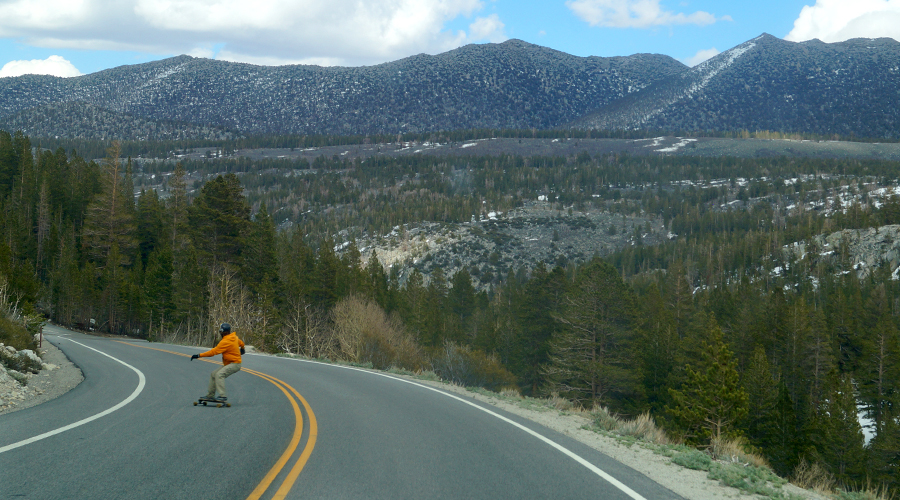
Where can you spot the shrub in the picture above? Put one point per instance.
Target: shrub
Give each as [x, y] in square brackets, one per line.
[644, 428]
[561, 404]
[471, 368]
[754, 480]
[813, 477]
[693, 459]
[603, 419]
[15, 334]
[19, 361]
[735, 450]
[366, 334]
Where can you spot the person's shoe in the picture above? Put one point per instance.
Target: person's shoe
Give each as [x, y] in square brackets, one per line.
[222, 399]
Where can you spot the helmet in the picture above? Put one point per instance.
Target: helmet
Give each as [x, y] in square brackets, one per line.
[224, 328]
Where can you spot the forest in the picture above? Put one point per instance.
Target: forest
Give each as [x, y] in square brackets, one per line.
[720, 331]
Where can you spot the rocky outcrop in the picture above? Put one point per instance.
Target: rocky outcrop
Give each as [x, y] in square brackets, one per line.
[865, 248]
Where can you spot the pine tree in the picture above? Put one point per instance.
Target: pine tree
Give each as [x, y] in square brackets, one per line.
[818, 356]
[784, 442]
[540, 302]
[149, 233]
[376, 283]
[658, 348]
[841, 444]
[325, 278]
[591, 358]
[157, 289]
[434, 302]
[884, 452]
[109, 221]
[711, 403]
[178, 208]
[413, 306]
[259, 260]
[879, 386]
[761, 386]
[461, 303]
[219, 219]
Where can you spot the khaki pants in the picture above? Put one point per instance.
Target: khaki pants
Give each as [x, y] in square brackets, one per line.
[217, 379]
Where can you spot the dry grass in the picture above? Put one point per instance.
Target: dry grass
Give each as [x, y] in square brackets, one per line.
[511, 393]
[603, 419]
[644, 428]
[737, 451]
[560, 403]
[813, 477]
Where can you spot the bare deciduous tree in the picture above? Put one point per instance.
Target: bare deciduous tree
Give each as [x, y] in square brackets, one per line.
[306, 331]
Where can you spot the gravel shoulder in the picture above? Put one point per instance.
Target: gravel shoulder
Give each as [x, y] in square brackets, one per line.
[60, 377]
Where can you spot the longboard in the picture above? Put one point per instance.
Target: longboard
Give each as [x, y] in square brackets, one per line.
[211, 401]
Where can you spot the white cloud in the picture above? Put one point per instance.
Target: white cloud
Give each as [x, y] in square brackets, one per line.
[53, 65]
[839, 20]
[635, 14]
[347, 32]
[488, 28]
[700, 56]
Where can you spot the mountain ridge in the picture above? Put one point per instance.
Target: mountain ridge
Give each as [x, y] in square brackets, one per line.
[508, 85]
[841, 89]
[771, 84]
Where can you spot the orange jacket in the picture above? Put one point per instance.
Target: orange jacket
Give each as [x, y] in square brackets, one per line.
[229, 347]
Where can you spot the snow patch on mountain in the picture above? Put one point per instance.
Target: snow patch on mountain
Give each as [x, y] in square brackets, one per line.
[715, 65]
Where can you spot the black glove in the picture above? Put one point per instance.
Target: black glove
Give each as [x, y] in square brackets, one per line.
[242, 351]
[195, 356]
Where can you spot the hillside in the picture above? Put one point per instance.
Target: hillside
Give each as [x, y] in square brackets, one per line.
[509, 85]
[848, 88]
[79, 120]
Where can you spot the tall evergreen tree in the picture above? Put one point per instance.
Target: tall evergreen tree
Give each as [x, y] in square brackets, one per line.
[761, 386]
[591, 358]
[178, 208]
[841, 444]
[219, 219]
[657, 349]
[540, 302]
[158, 289]
[879, 385]
[110, 221]
[461, 302]
[259, 257]
[149, 221]
[884, 452]
[711, 403]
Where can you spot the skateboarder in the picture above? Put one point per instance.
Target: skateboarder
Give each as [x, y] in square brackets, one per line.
[231, 348]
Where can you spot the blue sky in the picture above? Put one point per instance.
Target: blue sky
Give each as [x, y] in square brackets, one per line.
[72, 37]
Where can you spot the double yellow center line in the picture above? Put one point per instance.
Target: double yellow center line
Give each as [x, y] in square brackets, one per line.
[289, 451]
[293, 396]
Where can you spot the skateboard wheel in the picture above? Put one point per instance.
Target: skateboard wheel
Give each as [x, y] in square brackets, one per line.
[218, 406]
[195, 403]
[228, 405]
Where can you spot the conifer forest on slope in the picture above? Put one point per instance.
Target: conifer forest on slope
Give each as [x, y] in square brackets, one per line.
[722, 313]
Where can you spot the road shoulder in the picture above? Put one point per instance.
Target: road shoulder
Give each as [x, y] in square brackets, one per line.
[60, 377]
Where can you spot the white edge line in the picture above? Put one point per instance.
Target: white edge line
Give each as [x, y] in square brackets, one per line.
[593, 468]
[137, 391]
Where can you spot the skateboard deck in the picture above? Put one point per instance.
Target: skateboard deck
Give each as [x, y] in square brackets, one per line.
[212, 402]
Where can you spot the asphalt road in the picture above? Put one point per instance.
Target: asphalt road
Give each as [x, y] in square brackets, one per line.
[296, 429]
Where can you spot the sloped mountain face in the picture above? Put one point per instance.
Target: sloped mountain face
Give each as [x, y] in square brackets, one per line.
[80, 120]
[848, 88]
[509, 85]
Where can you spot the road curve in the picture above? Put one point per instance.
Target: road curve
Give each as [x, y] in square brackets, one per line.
[296, 429]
